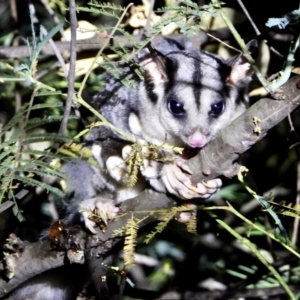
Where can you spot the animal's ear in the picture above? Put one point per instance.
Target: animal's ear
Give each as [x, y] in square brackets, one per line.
[154, 64]
[240, 68]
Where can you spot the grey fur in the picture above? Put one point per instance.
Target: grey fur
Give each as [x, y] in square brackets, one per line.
[197, 80]
[197, 94]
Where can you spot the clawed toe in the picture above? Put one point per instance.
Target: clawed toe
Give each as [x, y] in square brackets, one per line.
[98, 208]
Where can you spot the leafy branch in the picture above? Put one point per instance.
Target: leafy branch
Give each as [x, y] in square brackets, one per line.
[26, 72]
[257, 227]
[289, 19]
[14, 167]
[281, 23]
[254, 249]
[79, 98]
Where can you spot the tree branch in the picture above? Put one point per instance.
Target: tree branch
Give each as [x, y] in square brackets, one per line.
[96, 43]
[218, 158]
[71, 74]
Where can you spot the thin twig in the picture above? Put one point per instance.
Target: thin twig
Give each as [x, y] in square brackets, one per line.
[243, 46]
[221, 42]
[296, 221]
[105, 44]
[248, 16]
[79, 98]
[14, 14]
[57, 53]
[52, 14]
[148, 25]
[255, 27]
[20, 144]
[71, 75]
[51, 42]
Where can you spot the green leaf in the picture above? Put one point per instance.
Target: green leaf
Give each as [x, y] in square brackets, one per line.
[18, 213]
[279, 230]
[46, 168]
[50, 34]
[42, 172]
[15, 119]
[5, 153]
[6, 164]
[46, 105]
[40, 137]
[43, 94]
[43, 153]
[5, 182]
[34, 182]
[281, 23]
[12, 140]
[37, 122]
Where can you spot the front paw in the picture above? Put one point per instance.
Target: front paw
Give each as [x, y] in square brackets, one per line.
[208, 188]
[99, 209]
[177, 183]
[117, 166]
[185, 217]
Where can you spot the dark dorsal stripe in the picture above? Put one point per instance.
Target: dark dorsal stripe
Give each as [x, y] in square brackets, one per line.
[196, 79]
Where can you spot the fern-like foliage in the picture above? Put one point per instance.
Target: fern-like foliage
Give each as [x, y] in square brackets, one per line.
[188, 16]
[107, 9]
[286, 209]
[27, 72]
[167, 216]
[76, 150]
[280, 231]
[132, 225]
[161, 225]
[191, 225]
[131, 229]
[141, 152]
[21, 166]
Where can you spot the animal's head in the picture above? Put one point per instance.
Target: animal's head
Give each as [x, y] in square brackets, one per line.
[188, 95]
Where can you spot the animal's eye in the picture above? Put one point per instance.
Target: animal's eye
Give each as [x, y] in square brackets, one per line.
[217, 109]
[176, 108]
